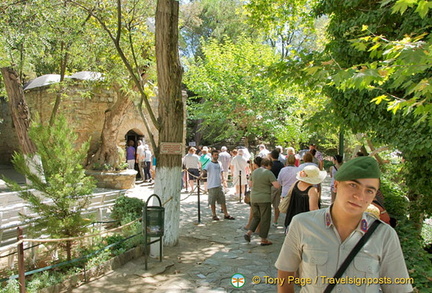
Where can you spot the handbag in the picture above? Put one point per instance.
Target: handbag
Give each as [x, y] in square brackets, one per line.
[247, 197]
[352, 254]
[285, 202]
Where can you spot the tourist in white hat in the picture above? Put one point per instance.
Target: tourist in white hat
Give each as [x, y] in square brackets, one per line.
[304, 196]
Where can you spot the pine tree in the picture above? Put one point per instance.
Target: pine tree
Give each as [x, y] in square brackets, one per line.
[63, 190]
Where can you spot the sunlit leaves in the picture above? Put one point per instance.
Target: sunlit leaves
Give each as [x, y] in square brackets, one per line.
[211, 19]
[396, 66]
[379, 99]
[40, 36]
[237, 95]
[287, 25]
[380, 81]
[422, 6]
[402, 5]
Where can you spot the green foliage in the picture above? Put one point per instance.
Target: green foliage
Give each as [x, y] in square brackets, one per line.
[122, 36]
[400, 6]
[63, 188]
[44, 280]
[108, 167]
[400, 78]
[119, 247]
[235, 97]
[394, 193]
[392, 63]
[384, 64]
[203, 20]
[286, 24]
[417, 259]
[427, 234]
[127, 209]
[44, 37]
[49, 278]
[98, 259]
[12, 286]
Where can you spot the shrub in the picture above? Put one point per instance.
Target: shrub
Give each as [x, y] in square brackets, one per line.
[127, 209]
[417, 259]
[12, 286]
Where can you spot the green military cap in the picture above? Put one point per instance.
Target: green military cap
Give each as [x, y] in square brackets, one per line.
[358, 168]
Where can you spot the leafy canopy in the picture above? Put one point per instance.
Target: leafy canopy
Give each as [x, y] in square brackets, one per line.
[377, 55]
[286, 25]
[235, 96]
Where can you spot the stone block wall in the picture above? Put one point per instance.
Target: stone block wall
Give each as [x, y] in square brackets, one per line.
[84, 106]
[114, 180]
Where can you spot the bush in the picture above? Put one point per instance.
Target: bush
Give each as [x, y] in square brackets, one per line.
[396, 202]
[127, 209]
[12, 286]
[44, 280]
[418, 261]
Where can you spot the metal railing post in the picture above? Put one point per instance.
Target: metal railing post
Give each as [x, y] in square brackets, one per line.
[240, 186]
[21, 267]
[199, 200]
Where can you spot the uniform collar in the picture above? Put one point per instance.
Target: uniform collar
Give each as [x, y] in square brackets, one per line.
[362, 227]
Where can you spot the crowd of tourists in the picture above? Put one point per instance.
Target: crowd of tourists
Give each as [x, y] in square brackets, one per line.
[349, 246]
[266, 175]
[324, 248]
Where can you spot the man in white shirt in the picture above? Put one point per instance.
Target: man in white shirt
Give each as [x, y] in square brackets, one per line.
[213, 172]
[263, 151]
[239, 169]
[192, 165]
[140, 156]
[225, 159]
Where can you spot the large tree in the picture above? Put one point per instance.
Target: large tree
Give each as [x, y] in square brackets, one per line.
[171, 115]
[204, 20]
[122, 47]
[19, 110]
[286, 25]
[125, 32]
[124, 26]
[39, 41]
[51, 37]
[348, 22]
[238, 100]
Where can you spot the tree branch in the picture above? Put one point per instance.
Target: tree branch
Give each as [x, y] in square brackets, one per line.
[126, 62]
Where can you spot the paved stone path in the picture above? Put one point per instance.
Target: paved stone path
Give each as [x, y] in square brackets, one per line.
[207, 256]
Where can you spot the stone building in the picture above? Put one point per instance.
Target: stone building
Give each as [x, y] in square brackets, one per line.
[84, 104]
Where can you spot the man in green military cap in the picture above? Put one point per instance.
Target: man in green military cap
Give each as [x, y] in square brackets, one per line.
[318, 242]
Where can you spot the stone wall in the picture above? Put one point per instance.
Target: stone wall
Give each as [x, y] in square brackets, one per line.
[84, 105]
[114, 180]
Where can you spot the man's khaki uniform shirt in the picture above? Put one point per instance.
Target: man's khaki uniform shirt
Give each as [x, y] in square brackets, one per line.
[313, 247]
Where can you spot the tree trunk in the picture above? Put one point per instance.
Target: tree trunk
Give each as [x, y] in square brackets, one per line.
[171, 115]
[375, 154]
[107, 152]
[19, 109]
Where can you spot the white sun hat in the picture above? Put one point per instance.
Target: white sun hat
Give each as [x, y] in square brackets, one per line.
[311, 175]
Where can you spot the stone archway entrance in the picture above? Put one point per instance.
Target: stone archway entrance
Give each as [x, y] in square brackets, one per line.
[134, 135]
